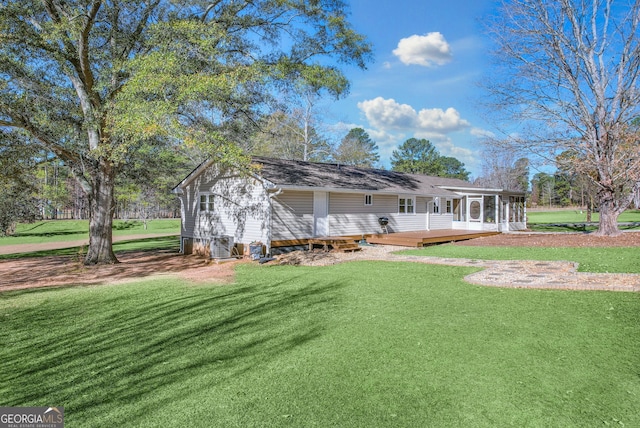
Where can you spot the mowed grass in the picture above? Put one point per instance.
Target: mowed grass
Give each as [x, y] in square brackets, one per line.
[573, 220]
[160, 243]
[576, 216]
[590, 259]
[363, 344]
[72, 230]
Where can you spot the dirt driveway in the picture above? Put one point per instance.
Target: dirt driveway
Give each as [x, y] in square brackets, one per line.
[64, 271]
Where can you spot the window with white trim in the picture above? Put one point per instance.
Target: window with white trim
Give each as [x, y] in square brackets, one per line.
[435, 208]
[406, 205]
[449, 208]
[368, 199]
[206, 202]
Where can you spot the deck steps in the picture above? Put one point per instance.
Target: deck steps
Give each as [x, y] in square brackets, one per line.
[342, 245]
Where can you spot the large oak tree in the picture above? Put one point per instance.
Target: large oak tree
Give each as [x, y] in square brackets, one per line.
[94, 80]
[569, 74]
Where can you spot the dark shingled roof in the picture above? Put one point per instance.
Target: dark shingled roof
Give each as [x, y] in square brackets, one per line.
[324, 175]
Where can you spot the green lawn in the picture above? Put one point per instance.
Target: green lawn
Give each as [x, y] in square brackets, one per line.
[365, 344]
[541, 220]
[162, 243]
[72, 230]
[590, 259]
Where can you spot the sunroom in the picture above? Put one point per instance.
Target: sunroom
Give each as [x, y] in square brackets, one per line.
[491, 212]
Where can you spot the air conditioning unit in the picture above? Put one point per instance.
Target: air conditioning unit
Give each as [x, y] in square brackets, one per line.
[221, 247]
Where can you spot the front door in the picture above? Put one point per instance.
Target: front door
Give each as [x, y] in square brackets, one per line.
[474, 208]
[504, 216]
[320, 214]
[429, 209]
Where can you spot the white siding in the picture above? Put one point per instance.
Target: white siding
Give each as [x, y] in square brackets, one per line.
[440, 221]
[348, 215]
[421, 204]
[407, 222]
[292, 215]
[240, 207]
[460, 225]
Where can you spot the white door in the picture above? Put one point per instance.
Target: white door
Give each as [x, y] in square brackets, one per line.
[474, 208]
[504, 216]
[320, 214]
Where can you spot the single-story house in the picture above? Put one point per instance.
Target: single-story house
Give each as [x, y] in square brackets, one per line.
[284, 202]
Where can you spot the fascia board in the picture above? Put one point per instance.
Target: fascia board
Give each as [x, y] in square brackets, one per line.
[189, 178]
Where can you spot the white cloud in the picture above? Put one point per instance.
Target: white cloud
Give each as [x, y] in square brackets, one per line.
[428, 50]
[482, 133]
[387, 114]
[448, 120]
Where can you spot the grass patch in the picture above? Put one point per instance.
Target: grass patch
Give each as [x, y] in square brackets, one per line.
[170, 243]
[411, 345]
[72, 230]
[590, 259]
[573, 220]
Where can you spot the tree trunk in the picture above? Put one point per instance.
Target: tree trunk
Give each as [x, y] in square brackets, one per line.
[609, 213]
[101, 207]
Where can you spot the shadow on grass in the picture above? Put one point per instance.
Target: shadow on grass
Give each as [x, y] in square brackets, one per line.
[577, 227]
[127, 224]
[164, 243]
[145, 348]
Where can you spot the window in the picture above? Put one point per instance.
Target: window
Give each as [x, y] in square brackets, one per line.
[489, 209]
[368, 199]
[459, 209]
[206, 202]
[449, 209]
[516, 211]
[405, 205]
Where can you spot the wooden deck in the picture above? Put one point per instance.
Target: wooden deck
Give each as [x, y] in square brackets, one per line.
[338, 243]
[418, 238]
[421, 238]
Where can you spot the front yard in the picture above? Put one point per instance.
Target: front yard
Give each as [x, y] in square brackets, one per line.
[360, 344]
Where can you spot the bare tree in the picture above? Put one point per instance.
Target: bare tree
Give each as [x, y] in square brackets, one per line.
[569, 72]
[503, 167]
[294, 131]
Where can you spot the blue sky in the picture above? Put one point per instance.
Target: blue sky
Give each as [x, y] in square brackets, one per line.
[428, 60]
